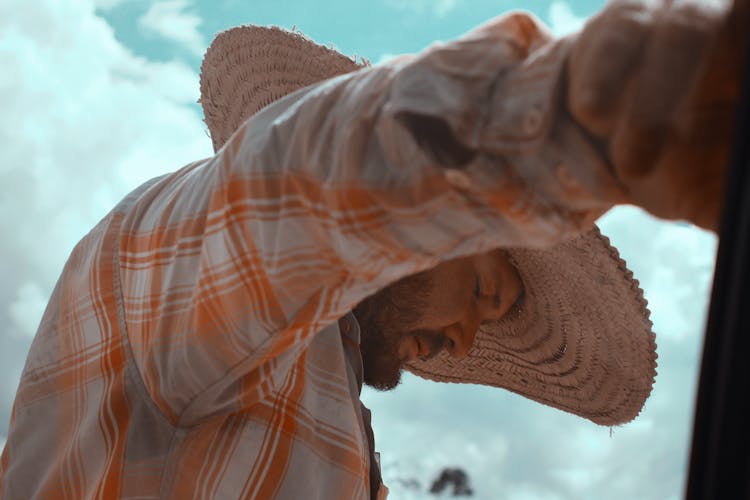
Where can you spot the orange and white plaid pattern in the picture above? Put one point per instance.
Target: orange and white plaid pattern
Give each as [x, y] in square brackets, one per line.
[190, 348]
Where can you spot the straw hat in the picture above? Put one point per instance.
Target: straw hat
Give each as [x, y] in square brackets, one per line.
[581, 339]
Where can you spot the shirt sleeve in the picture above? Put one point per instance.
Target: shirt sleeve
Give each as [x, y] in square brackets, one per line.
[231, 265]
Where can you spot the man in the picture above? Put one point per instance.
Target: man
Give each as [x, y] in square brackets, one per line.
[209, 338]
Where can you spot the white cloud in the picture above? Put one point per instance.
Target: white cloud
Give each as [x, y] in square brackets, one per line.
[442, 7]
[438, 8]
[108, 4]
[83, 122]
[171, 20]
[26, 310]
[562, 19]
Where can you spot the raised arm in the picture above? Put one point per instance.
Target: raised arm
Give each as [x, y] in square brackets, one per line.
[505, 137]
[229, 267]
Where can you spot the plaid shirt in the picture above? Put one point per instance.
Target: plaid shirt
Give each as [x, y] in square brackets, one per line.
[191, 347]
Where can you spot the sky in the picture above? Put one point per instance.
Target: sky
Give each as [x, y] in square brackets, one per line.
[100, 95]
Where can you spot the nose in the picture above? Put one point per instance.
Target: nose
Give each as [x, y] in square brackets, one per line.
[461, 335]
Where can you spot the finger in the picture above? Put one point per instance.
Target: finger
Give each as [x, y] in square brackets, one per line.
[669, 71]
[605, 54]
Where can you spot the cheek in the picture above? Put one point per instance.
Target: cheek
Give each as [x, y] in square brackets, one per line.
[449, 301]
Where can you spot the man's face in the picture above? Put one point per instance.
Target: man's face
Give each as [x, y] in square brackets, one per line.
[419, 316]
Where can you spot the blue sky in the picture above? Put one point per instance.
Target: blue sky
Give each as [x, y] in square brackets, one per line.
[367, 27]
[100, 95]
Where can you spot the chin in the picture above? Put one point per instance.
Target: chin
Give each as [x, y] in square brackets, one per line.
[382, 381]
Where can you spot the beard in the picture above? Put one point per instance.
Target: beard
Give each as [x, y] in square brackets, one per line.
[380, 361]
[383, 320]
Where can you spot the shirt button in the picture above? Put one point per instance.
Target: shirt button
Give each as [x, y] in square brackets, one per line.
[457, 179]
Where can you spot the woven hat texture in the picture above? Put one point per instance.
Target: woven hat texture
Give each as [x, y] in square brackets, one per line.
[248, 68]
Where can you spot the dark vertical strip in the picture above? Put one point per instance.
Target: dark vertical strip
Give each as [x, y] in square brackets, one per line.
[720, 457]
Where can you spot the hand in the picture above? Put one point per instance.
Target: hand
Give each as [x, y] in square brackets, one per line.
[656, 86]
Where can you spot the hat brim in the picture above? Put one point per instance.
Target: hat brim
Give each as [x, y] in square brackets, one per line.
[580, 340]
[248, 67]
